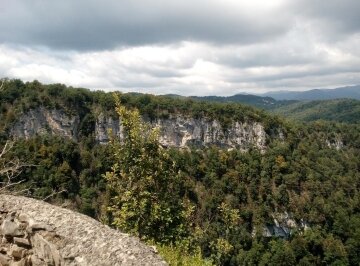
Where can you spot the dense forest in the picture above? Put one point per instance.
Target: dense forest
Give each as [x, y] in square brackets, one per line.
[266, 103]
[339, 110]
[343, 110]
[200, 206]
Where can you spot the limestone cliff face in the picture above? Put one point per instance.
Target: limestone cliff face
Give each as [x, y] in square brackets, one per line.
[283, 225]
[104, 125]
[43, 121]
[182, 132]
[33, 232]
[335, 143]
[176, 131]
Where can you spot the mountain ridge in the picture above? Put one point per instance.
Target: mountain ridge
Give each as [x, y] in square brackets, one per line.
[249, 99]
[351, 92]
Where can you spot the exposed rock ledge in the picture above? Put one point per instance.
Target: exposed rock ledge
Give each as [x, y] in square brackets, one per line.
[33, 232]
[176, 131]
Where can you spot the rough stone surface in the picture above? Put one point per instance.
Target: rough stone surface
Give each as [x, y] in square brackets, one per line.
[43, 121]
[335, 143]
[51, 235]
[183, 132]
[104, 125]
[282, 226]
[180, 132]
[177, 131]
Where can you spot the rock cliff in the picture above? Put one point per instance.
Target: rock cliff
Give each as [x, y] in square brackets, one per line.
[183, 131]
[282, 225]
[176, 131]
[42, 121]
[36, 233]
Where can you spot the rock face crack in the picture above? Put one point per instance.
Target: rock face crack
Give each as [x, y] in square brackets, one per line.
[33, 232]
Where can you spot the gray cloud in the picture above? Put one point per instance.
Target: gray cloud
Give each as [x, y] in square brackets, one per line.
[203, 47]
[94, 25]
[335, 16]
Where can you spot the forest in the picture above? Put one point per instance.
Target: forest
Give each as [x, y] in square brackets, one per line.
[200, 206]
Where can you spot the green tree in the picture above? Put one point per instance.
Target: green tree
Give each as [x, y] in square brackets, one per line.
[144, 183]
[280, 254]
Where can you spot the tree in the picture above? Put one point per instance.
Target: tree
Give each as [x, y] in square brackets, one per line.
[2, 84]
[10, 169]
[280, 253]
[144, 183]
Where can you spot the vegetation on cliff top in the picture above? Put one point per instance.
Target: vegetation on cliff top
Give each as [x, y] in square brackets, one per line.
[18, 97]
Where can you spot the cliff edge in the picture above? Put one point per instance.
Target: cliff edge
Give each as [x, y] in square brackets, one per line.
[34, 232]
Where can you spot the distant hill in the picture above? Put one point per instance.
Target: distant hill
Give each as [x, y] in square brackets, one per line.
[253, 100]
[339, 110]
[338, 105]
[351, 92]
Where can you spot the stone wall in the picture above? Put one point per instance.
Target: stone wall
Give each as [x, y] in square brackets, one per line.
[33, 232]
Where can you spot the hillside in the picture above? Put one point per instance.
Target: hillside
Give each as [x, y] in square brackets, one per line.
[28, 109]
[266, 103]
[303, 106]
[350, 92]
[340, 110]
[247, 187]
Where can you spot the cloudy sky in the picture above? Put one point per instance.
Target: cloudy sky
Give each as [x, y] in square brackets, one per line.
[198, 47]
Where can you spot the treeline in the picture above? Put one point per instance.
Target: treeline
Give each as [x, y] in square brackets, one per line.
[312, 174]
[339, 110]
[18, 97]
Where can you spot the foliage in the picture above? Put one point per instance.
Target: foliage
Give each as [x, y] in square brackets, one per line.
[340, 110]
[197, 201]
[17, 97]
[10, 169]
[143, 181]
[177, 255]
[266, 103]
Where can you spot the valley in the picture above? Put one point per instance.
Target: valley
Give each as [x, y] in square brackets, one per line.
[252, 186]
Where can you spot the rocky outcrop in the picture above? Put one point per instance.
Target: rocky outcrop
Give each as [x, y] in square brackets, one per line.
[177, 131]
[335, 143]
[106, 125]
[36, 233]
[44, 121]
[282, 226]
[183, 132]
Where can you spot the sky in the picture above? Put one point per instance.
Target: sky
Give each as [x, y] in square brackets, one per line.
[197, 47]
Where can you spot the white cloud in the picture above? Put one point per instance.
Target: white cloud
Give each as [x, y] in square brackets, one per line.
[204, 47]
